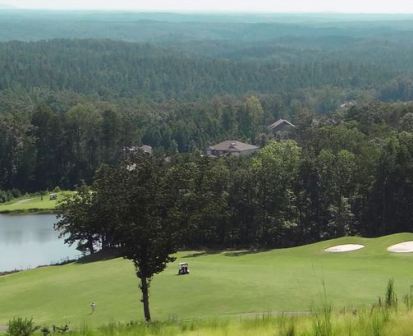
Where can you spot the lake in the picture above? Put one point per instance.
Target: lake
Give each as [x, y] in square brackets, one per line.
[28, 241]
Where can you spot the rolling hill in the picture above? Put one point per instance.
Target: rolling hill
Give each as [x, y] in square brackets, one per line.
[220, 284]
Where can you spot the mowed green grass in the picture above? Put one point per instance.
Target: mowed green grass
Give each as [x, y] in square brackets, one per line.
[32, 203]
[220, 285]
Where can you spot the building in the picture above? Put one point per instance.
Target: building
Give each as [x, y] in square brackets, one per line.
[348, 105]
[281, 125]
[281, 129]
[231, 147]
[144, 148]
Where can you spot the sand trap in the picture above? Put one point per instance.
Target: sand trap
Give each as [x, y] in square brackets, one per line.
[344, 248]
[406, 247]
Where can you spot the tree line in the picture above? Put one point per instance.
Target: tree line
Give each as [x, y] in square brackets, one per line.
[107, 68]
[51, 139]
[63, 139]
[330, 181]
[339, 181]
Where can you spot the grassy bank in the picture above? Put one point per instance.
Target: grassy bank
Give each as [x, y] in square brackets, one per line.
[376, 322]
[223, 285]
[32, 204]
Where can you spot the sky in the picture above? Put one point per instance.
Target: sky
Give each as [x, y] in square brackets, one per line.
[341, 6]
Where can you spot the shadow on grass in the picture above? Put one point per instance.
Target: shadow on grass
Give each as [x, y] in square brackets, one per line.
[241, 253]
[106, 254]
[202, 254]
[227, 253]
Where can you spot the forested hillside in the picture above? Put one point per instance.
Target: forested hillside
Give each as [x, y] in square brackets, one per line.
[177, 27]
[78, 91]
[117, 69]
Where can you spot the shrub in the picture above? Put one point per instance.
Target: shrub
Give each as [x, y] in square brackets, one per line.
[408, 299]
[391, 297]
[7, 195]
[21, 327]
[15, 193]
[322, 324]
[3, 196]
[288, 331]
[45, 331]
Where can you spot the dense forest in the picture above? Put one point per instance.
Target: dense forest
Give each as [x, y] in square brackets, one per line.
[348, 175]
[119, 69]
[78, 89]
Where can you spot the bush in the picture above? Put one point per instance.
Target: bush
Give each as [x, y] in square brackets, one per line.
[15, 193]
[21, 327]
[8, 195]
[3, 196]
[322, 324]
[391, 297]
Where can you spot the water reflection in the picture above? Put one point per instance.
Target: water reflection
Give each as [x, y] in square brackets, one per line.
[29, 241]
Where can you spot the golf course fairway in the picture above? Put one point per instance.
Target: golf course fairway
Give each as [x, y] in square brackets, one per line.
[220, 284]
[33, 204]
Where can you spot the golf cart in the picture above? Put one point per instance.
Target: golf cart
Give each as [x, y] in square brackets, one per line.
[183, 269]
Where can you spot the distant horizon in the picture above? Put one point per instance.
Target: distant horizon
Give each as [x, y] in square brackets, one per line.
[367, 7]
[200, 12]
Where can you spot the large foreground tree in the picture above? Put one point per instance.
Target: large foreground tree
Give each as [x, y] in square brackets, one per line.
[138, 202]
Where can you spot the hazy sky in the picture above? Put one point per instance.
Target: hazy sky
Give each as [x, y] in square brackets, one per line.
[349, 6]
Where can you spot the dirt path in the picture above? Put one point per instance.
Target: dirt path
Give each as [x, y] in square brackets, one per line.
[272, 314]
[24, 201]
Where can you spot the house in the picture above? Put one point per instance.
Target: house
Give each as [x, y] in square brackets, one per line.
[144, 148]
[348, 104]
[281, 125]
[281, 128]
[231, 147]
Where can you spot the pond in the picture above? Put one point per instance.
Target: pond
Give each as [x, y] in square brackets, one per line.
[28, 241]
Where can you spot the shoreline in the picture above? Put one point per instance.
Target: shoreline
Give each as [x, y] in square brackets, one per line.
[61, 263]
[33, 211]
[9, 272]
[34, 203]
[105, 254]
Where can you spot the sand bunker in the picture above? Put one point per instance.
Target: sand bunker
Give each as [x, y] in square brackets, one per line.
[406, 247]
[344, 248]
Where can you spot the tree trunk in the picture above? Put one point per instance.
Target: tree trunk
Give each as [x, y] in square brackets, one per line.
[90, 245]
[145, 298]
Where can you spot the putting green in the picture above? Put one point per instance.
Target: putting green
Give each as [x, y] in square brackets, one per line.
[221, 284]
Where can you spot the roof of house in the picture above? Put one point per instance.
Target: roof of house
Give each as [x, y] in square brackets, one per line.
[146, 148]
[233, 146]
[279, 123]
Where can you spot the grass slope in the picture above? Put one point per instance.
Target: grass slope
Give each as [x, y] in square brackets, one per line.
[365, 322]
[32, 203]
[222, 284]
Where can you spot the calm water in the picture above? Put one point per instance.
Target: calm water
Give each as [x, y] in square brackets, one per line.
[28, 241]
